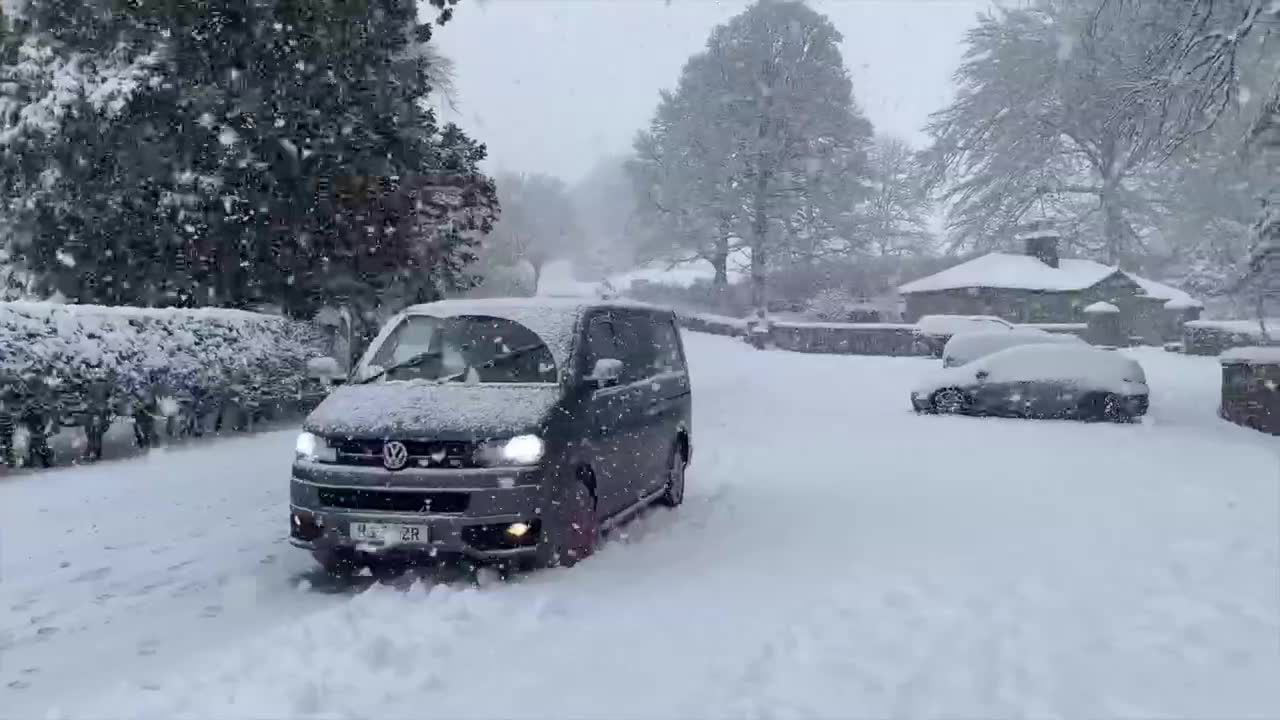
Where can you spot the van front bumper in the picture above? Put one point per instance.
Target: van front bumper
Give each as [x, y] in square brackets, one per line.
[462, 512]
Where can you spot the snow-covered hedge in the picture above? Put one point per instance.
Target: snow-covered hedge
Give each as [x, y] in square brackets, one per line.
[840, 306]
[83, 364]
[713, 324]
[848, 338]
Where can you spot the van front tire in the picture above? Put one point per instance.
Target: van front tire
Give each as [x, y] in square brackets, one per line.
[572, 528]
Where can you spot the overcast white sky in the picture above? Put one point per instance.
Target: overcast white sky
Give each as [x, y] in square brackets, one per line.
[553, 85]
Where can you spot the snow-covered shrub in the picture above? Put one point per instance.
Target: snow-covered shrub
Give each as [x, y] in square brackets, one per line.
[836, 305]
[84, 364]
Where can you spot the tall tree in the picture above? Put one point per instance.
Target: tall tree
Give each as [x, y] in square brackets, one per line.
[1211, 82]
[538, 222]
[605, 204]
[688, 176]
[1220, 51]
[1041, 126]
[894, 218]
[761, 139]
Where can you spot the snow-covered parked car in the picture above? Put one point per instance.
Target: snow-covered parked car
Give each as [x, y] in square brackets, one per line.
[935, 330]
[1041, 381]
[504, 430]
[966, 347]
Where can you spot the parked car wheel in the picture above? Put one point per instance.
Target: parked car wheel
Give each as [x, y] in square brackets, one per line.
[951, 401]
[573, 530]
[1106, 407]
[674, 494]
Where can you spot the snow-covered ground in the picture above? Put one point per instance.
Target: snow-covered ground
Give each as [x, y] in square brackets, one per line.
[837, 556]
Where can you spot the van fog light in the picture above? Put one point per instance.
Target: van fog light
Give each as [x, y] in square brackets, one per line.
[518, 529]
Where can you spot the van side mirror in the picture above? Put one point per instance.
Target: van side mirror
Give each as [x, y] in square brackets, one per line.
[326, 370]
[606, 373]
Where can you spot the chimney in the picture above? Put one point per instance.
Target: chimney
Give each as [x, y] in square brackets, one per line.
[1041, 242]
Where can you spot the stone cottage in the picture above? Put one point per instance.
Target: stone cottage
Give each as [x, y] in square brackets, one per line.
[1038, 286]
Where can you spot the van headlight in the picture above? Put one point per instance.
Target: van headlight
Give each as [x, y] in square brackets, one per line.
[314, 448]
[519, 450]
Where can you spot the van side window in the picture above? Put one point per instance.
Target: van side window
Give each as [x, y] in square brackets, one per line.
[635, 333]
[602, 342]
[666, 343]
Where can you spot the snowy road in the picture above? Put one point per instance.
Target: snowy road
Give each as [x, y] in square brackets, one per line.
[837, 556]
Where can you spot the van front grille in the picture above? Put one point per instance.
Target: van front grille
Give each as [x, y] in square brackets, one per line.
[405, 501]
[422, 453]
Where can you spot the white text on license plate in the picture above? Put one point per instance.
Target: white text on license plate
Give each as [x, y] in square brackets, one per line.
[388, 533]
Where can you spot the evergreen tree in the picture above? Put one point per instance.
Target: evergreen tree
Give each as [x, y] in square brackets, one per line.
[241, 152]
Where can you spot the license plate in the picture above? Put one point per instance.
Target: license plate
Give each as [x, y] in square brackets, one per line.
[388, 533]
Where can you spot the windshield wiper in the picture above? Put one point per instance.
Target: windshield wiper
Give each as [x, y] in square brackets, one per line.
[407, 362]
[503, 357]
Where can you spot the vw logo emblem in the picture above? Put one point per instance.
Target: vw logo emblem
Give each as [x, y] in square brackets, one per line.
[394, 455]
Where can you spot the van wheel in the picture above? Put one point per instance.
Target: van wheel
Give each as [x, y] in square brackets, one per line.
[574, 531]
[674, 494]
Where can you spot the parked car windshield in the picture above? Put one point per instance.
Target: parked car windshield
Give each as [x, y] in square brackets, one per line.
[467, 348]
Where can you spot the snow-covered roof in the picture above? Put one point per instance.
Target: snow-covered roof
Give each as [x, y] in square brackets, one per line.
[1015, 272]
[1102, 307]
[1023, 272]
[1180, 299]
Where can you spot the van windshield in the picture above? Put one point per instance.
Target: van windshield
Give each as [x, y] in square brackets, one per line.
[464, 349]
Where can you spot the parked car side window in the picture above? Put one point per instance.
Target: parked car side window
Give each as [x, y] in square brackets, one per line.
[636, 338]
[666, 344]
